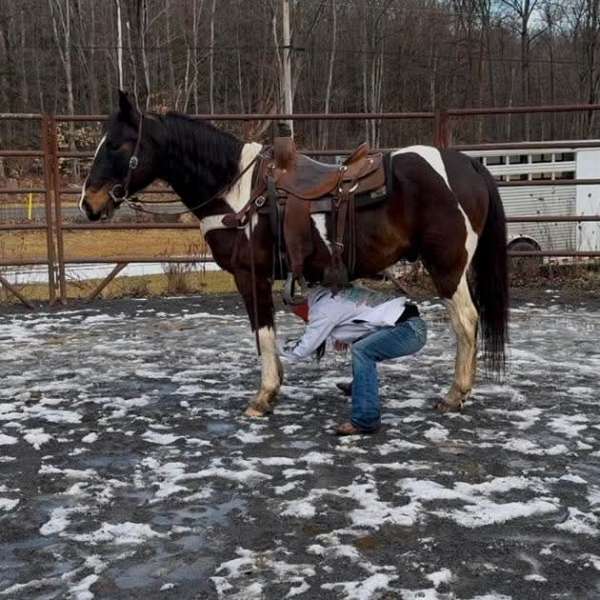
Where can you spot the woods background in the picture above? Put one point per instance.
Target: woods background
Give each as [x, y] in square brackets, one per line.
[224, 56]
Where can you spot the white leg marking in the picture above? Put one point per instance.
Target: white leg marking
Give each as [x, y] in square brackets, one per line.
[463, 315]
[319, 220]
[270, 359]
[270, 375]
[83, 189]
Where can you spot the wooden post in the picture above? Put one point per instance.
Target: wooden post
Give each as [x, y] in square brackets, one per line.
[442, 133]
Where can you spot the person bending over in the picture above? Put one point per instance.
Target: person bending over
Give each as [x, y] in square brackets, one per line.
[377, 326]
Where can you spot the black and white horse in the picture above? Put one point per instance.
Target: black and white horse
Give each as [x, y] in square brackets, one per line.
[442, 207]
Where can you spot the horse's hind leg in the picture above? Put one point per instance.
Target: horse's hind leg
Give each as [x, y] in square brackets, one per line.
[271, 368]
[464, 318]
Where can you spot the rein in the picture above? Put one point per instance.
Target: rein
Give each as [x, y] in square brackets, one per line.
[135, 203]
[120, 191]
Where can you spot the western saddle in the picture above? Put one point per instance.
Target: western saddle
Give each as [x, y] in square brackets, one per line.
[290, 187]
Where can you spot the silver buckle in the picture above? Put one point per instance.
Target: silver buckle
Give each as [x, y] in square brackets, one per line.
[117, 199]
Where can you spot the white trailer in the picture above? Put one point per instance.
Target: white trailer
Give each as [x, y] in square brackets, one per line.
[526, 163]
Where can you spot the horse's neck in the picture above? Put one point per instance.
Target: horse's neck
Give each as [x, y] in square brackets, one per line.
[235, 198]
[239, 193]
[195, 175]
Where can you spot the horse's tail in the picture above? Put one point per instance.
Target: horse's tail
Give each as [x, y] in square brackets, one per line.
[491, 278]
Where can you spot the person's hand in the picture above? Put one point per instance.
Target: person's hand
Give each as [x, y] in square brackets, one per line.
[290, 344]
[340, 346]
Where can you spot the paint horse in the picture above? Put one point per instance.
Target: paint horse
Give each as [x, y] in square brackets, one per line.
[442, 207]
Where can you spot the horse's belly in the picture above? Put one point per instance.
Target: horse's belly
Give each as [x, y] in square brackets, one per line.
[382, 250]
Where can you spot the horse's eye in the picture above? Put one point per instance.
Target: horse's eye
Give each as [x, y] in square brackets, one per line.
[112, 146]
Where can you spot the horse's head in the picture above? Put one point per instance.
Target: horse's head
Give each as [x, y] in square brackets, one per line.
[126, 161]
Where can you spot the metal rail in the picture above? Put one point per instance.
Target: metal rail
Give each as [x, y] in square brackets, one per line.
[100, 260]
[53, 191]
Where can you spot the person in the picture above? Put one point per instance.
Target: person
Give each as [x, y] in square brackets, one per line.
[377, 326]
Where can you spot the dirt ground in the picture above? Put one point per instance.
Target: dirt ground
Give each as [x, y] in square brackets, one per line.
[127, 470]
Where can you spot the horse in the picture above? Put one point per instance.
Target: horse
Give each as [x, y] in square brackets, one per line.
[441, 207]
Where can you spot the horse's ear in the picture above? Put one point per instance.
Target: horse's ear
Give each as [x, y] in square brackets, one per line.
[128, 112]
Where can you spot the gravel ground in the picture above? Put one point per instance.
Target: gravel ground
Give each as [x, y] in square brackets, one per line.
[126, 470]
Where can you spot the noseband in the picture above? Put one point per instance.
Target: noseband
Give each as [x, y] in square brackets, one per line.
[120, 191]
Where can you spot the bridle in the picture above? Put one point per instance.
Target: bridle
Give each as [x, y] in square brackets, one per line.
[120, 191]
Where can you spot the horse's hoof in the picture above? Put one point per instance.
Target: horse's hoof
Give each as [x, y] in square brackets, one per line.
[253, 412]
[442, 406]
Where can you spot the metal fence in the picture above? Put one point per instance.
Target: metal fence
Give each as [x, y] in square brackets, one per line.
[54, 225]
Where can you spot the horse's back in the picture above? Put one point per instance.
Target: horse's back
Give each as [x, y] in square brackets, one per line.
[468, 185]
[443, 177]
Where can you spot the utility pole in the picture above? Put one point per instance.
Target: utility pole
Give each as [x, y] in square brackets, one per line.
[119, 45]
[288, 101]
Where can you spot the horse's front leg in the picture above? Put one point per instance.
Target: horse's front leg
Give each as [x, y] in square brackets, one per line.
[272, 370]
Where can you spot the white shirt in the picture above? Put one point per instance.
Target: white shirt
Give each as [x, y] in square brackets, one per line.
[346, 316]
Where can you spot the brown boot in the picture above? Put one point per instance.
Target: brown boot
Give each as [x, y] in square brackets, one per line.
[349, 428]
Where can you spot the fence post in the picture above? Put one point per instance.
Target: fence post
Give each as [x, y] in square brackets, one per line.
[60, 254]
[48, 206]
[442, 132]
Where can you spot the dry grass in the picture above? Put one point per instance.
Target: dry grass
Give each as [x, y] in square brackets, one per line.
[179, 278]
[96, 244]
[211, 282]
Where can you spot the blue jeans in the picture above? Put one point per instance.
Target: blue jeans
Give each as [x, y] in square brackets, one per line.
[390, 342]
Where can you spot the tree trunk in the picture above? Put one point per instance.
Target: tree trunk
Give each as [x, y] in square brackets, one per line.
[211, 60]
[196, 13]
[325, 124]
[525, 79]
[24, 78]
[119, 45]
[239, 58]
[143, 31]
[365, 48]
[133, 62]
[170, 61]
[94, 105]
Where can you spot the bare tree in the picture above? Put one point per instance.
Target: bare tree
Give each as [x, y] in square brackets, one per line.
[119, 45]
[60, 11]
[325, 124]
[351, 55]
[211, 60]
[523, 12]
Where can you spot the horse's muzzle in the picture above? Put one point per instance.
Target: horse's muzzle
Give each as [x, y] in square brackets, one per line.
[104, 213]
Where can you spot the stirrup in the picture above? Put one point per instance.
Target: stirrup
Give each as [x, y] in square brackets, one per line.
[289, 290]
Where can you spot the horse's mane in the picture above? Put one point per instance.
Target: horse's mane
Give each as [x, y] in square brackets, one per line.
[198, 150]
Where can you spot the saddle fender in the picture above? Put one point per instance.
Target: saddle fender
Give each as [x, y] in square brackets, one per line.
[297, 233]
